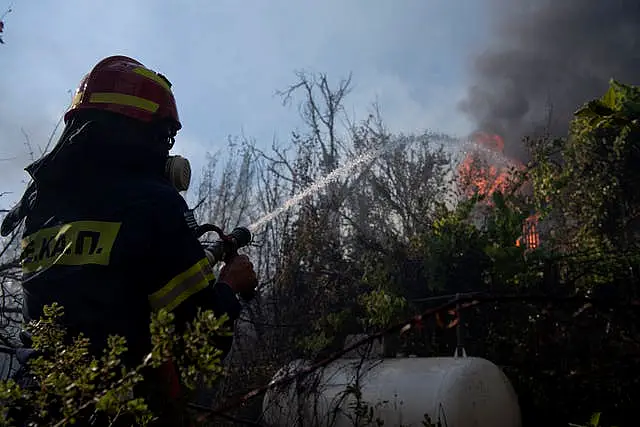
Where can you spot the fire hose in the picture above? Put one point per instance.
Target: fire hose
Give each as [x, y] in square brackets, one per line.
[221, 250]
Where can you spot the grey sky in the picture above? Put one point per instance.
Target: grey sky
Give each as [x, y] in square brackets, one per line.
[227, 58]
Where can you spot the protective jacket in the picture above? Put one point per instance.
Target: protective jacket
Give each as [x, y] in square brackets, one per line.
[111, 242]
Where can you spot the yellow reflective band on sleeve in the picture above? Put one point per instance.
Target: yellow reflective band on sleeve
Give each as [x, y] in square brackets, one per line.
[153, 76]
[181, 287]
[75, 243]
[122, 99]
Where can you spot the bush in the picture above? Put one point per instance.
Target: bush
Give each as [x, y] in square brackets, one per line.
[71, 385]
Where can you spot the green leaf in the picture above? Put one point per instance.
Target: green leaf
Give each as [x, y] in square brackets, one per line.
[498, 199]
[611, 97]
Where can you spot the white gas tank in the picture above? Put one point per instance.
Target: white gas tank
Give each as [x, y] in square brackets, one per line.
[457, 392]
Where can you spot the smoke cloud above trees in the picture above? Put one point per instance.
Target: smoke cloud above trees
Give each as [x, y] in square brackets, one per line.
[546, 59]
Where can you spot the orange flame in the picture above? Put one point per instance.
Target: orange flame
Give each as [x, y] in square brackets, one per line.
[530, 235]
[479, 173]
[492, 141]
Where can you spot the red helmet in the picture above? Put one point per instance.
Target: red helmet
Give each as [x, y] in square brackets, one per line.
[123, 85]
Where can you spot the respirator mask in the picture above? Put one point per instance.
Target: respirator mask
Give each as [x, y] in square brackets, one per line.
[178, 171]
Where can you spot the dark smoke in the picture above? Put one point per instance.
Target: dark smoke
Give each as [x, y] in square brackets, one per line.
[549, 57]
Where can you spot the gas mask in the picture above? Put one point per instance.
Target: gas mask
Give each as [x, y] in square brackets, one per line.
[178, 171]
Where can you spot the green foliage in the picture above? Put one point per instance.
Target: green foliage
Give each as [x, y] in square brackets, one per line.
[73, 385]
[504, 224]
[583, 194]
[590, 176]
[460, 255]
[452, 250]
[360, 252]
[71, 381]
[593, 422]
[563, 359]
[325, 332]
[382, 308]
[195, 353]
[378, 309]
[600, 166]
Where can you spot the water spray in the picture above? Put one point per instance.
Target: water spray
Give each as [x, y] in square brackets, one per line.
[337, 173]
[496, 156]
[242, 236]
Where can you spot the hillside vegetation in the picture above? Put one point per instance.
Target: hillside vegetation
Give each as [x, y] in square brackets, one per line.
[380, 243]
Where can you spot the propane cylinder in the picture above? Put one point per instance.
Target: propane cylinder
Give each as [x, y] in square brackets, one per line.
[455, 391]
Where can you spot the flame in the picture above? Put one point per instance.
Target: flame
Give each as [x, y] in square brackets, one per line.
[530, 234]
[486, 170]
[480, 171]
[492, 141]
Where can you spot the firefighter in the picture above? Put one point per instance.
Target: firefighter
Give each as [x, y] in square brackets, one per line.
[107, 234]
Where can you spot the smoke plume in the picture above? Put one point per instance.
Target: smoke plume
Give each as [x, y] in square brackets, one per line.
[547, 58]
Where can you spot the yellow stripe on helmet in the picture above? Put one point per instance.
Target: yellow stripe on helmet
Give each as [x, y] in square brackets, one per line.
[122, 99]
[153, 76]
[77, 98]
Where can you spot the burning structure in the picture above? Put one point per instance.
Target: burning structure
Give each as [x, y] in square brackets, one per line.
[486, 169]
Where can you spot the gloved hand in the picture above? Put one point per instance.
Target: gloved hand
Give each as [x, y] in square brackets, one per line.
[238, 273]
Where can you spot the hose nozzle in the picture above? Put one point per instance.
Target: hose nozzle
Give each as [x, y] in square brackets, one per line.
[227, 247]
